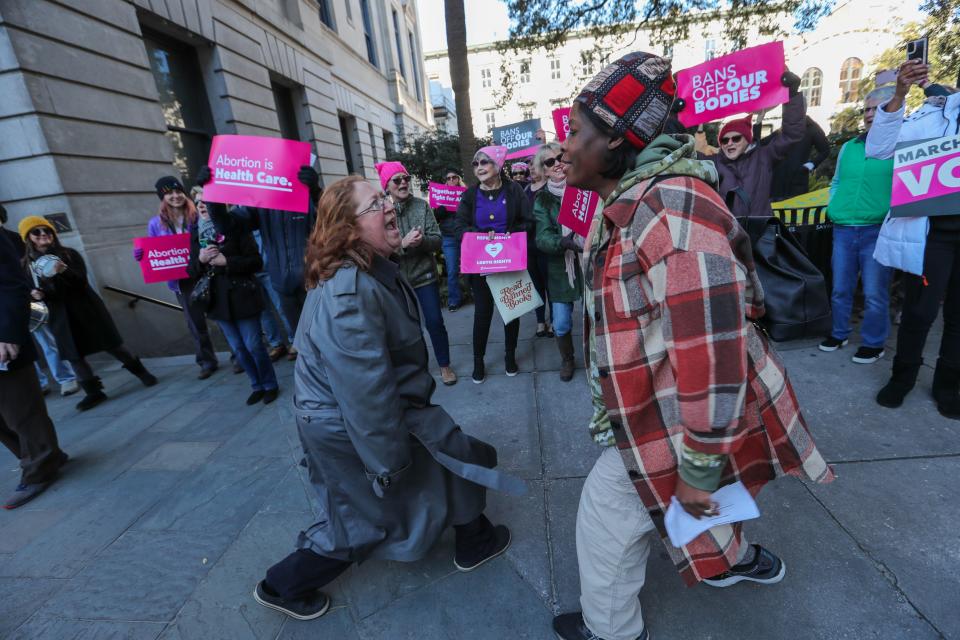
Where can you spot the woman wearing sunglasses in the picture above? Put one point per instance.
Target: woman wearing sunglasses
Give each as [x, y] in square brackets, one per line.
[79, 320]
[418, 247]
[746, 168]
[497, 205]
[536, 259]
[450, 243]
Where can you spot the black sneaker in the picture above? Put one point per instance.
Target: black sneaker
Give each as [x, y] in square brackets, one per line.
[469, 562]
[309, 608]
[479, 372]
[570, 626]
[270, 395]
[255, 397]
[868, 355]
[832, 344]
[510, 363]
[766, 568]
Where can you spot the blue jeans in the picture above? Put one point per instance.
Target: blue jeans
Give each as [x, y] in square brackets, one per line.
[451, 258]
[247, 345]
[562, 315]
[429, 297]
[267, 320]
[853, 256]
[61, 369]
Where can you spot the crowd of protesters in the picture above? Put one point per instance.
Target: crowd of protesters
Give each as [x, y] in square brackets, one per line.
[358, 274]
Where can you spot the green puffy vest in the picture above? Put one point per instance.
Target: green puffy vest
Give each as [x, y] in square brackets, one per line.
[861, 196]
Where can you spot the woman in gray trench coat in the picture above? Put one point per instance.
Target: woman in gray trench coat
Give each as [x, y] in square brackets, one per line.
[391, 469]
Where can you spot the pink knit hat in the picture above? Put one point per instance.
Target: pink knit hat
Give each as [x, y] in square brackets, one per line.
[387, 170]
[496, 153]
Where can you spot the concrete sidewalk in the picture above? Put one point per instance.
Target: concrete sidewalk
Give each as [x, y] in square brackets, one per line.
[179, 497]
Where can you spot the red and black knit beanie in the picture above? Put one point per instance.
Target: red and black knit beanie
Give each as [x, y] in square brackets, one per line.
[633, 95]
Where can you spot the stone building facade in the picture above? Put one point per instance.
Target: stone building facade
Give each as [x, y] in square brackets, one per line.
[99, 98]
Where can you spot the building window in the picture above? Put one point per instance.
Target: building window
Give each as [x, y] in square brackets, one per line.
[811, 84]
[283, 101]
[183, 100]
[368, 32]
[554, 69]
[350, 139]
[850, 79]
[373, 143]
[347, 4]
[486, 78]
[710, 49]
[388, 146]
[525, 72]
[668, 51]
[414, 66]
[586, 64]
[528, 113]
[396, 37]
[326, 13]
[491, 118]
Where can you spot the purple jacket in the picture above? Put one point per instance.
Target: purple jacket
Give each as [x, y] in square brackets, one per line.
[156, 227]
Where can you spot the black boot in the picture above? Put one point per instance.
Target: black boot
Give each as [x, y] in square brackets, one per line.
[93, 389]
[479, 372]
[136, 368]
[510, 363]
[901, 382]
[565, 344]
[946, 390]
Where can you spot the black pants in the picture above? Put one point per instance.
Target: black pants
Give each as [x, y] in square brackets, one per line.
[292, 304]
[25, 428]
[921, 301]
[197, 323]
[304, 571]
[483, 307]
[84, 372]
[537, 265]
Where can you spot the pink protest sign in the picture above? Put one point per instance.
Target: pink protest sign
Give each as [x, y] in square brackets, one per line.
[561, 120]
[448, 196]
[741, 82]
[577, 209]
[926, 178]
[258, 172]
[164, 257]
[505, 252]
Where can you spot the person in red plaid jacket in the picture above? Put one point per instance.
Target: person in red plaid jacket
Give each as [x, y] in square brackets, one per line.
[688, 394]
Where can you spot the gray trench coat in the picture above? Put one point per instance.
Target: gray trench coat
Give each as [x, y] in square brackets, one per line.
[390, 469]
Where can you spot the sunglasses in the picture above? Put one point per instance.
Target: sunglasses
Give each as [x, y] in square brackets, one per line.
[518, 173]
[399, 180]
[734, 139]
[448, 178]
[36, 233]
[480, 163]
[549, 162]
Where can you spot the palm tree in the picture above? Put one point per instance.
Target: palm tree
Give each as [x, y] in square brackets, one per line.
[460, 78]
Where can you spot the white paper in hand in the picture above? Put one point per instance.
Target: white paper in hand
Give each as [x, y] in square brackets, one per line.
[735, 505]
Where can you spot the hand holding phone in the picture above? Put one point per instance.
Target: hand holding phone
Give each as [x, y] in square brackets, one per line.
[917, 49]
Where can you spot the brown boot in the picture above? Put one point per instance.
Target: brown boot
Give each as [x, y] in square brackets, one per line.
[565, 344]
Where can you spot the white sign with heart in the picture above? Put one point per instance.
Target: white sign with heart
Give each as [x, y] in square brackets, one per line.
[493, 248]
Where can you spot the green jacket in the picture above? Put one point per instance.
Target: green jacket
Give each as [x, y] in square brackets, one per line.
[418, 264]
[546, 208]
[861, 186]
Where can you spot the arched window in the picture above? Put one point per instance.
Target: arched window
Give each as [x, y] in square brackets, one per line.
[850, 79]
[810, 86]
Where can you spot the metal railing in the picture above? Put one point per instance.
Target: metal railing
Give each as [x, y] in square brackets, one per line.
[136, 297]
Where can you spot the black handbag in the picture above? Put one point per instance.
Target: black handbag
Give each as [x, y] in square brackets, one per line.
[795, 292]
[200, 296]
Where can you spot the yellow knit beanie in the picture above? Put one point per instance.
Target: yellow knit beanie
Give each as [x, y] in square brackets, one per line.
[31, 222]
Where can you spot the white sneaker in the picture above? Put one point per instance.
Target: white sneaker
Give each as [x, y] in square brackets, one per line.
[69, 388]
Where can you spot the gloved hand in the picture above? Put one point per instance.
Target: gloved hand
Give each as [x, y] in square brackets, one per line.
[791, 81]
[204, 175]
[571, 242]
[309, 176]
[138, 253]
[678, 105]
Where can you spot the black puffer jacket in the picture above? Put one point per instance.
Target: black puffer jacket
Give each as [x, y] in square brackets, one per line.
[234, 291]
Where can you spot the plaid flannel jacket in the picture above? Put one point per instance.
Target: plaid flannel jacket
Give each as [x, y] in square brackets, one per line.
[679, 360]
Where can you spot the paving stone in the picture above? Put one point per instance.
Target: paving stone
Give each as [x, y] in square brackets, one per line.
[565, 410]
[265, 435]
[335, 623]
[528, 553]
[50, 627]
[19, 528]
[292, 494]
[563, 497]
[21, 597]
[903, 513]
[177, 456]
[490, 602]
[184, 416]
[547, 354]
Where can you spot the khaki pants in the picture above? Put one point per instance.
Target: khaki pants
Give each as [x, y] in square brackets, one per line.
[614, 534]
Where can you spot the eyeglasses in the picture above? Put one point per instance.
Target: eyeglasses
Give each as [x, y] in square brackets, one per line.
[41, 231]
[449, 178]
[379, 205]
[399, 180]
[167, 190]
[734, 139]
[549, 162]
[480, 163]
